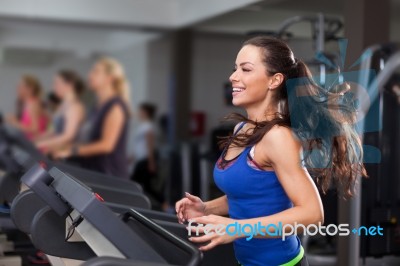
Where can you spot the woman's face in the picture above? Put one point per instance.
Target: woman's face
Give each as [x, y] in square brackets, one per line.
[249, 79]
[98, 77]
[23, 91]
[60, 87]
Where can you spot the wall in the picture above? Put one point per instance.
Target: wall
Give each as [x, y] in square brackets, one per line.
[213, 61]
[135, 61]
[158, 72]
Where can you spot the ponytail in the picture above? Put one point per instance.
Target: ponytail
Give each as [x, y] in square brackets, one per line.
[322, 120]
[121, 87]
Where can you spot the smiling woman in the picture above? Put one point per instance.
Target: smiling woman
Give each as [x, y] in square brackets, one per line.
[263, 169]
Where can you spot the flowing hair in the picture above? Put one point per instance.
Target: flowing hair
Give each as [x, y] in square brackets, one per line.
[322, 121]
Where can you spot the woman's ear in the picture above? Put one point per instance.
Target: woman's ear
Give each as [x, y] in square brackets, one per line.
[276, 81]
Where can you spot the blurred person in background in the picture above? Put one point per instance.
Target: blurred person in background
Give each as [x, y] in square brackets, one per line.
[52, 103]
[69, 116]
[31, 117]
[105, 150]
[145, 171]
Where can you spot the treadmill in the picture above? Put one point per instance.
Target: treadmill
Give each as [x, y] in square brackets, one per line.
[27, 204]
[17, 155]
[76, 211]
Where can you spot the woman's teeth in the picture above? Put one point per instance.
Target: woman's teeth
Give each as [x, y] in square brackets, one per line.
[238, 89]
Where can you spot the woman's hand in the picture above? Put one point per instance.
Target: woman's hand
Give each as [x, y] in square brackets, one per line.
[40, 146]
[189, 207]
[62, 154]
[216, 227]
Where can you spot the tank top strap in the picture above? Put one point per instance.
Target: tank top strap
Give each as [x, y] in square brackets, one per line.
[222, 156]
[239, 128]
[231, 139]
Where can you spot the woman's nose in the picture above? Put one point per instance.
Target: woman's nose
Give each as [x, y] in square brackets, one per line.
[234, 76]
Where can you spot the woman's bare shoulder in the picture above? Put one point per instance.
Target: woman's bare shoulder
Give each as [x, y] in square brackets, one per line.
[279, 137]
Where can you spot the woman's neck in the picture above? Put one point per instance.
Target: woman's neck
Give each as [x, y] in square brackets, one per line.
[262, 112]
[104, 94]
[70, 97]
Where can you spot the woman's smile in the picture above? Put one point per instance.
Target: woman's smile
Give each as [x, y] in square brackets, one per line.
[237, 91]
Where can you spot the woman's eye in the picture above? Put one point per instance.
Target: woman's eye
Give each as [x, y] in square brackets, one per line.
[246, 70]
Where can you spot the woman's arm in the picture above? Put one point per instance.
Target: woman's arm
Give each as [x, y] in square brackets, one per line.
[111, 131]
[218, 206]
[48, 134]
[73, 119]
[284, 154]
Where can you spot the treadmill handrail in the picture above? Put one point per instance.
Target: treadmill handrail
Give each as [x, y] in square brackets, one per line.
[86, 176]
[9, 164]
[83, 199]
[18, 138]
[196, 254]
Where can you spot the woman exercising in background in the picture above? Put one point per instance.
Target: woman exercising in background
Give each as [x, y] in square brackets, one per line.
[68, 118]
[263, 168]
[106, 149]
[32, 120]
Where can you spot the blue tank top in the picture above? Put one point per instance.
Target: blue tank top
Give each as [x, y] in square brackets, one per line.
[252, 193]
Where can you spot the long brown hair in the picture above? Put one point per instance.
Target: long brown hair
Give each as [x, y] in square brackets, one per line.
[320, 120]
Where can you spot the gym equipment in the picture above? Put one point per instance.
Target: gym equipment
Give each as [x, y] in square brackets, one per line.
[17, 154]
[27, 204]
[102, 230]
[380, 203]
[323, 29]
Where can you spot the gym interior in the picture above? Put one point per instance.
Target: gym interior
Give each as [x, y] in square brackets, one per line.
[113, 116]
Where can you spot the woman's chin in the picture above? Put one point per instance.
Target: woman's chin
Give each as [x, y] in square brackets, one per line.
[237, 103]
